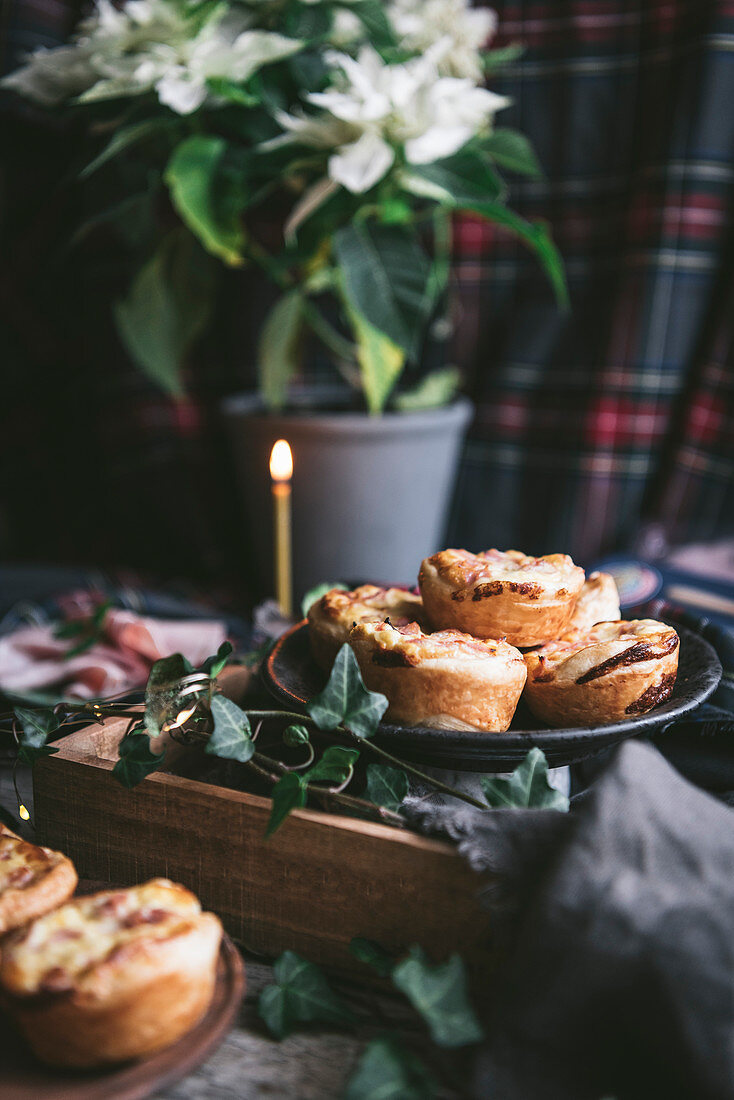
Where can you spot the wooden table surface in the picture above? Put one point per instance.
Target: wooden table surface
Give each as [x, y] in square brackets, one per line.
[308, 1065]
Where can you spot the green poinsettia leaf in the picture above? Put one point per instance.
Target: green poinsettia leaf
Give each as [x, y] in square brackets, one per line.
[346, 701]
[197, 187]
[278, 348]
[465, 177]
[317, 592]
[136, 759]
[373, 954]
[386, 786]
[512, 150]
[296, 735]
[162, 689]
[230, 739]
[299, 995]
[528, 786]
[434, 391]
[439, 994]
[335, 766]
[387, 1071]
[36, 725]
[289, 793]
[504, 55]
[214, 665]
[380, 362]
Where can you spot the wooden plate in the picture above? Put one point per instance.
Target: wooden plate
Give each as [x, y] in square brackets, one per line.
[293, 677]
[23, 1078]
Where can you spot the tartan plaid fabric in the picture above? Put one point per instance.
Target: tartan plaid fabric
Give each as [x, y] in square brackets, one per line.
[591, 426]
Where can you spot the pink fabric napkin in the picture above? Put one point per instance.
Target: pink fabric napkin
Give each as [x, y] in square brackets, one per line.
[32, 659]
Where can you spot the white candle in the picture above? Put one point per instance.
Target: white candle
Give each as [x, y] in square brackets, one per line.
[281, 471]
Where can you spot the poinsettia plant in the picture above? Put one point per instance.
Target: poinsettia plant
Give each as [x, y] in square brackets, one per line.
[358, 128]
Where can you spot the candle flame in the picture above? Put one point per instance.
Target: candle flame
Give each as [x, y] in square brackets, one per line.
[281, 461]
[182, 717]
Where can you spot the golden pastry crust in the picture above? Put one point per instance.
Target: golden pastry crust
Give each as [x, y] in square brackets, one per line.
[446, 680]
[33, 880]
[112, 976]
[332, 617]
[614, 671]
[598, 602]
[501, 594]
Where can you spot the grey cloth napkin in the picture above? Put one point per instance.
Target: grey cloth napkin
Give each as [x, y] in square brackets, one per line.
[618, 921]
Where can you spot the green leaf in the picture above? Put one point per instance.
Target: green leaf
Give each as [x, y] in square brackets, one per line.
[386, 786]
[527, 786]
[387, 1071]
[230, 738]
[432, 392]
[373, 954]
[136, 759]
[123, 139]
[289, 793]
[438, 993]
[231, 91]
[161, 690]
[214, 665]
[28, 755]
[536, 236]
[505, 55]
[296, 735]
[380, 362]
[255, 656]
[317, 592]
[166, 309]
[386, 279]
[36, 725]
[278, 348]
[335, 766]
[466, 177]
[512, 150]
[374, 18]
[299, 995]
[345, 700]
[192, 178]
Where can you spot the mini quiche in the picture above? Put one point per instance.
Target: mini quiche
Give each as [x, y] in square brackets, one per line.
[445, 680]
[597, 603]
[111, 976]
[614, 671]
[33, 880]
[501, 594]
[332, 617]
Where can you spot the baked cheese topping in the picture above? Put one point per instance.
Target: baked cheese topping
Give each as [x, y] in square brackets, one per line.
[645, 639]
[51, 954]
[518, 572]
[598, 601]
[411, 645]
[369, 602]
[22, 864]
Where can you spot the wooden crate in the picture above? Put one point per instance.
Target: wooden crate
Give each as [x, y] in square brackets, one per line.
[319, 881]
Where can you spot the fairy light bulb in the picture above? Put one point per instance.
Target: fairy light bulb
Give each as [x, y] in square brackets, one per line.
[23, 813]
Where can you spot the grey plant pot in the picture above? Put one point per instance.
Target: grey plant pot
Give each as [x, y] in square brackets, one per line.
[370, 494]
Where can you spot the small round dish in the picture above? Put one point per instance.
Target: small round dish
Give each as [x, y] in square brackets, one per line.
[293, 677]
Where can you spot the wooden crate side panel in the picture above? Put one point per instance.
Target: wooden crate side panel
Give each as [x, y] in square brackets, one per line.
[311, 887]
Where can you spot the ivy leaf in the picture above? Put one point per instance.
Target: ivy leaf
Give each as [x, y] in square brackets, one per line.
[28, 755]
[345, 699]
[299, 995]
[373, 954]
[214, 665]
[387, 1071]
[296, 735]
[438, 993]
[512, 150]
[434, 391]
[230, 738]
[317, 592]
[289, 793]
[162, 689]
[278, 348]
[386, 786]
[527, 786]
[195, 184]
[335, 766]
[36, 726]
[136, 759]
